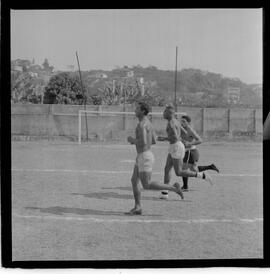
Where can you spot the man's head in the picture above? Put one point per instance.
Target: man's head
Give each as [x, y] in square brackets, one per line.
[168, 112]
[185, 121]
[142, 109]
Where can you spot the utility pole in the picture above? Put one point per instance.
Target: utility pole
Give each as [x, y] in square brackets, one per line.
[175, 82]
[113, 86]
[86, 124]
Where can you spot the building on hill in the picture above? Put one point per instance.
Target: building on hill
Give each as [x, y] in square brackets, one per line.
[199, 94]
[102, 75]
[33, 74]
[98, 75]
[35, 68]
[130, 73]
[16, 68]
[21, 62]
[233, 95]
[123, 72]
[257, 89]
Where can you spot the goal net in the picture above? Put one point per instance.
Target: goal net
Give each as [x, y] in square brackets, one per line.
[111, 125]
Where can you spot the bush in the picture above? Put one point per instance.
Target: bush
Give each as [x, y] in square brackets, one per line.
[63, 88]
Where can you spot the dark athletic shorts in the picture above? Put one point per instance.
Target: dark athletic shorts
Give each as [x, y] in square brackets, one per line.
[191, 156]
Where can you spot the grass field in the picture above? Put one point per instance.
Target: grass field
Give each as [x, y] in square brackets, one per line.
[69, 200]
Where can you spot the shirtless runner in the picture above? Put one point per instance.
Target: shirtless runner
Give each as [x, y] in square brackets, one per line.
[142, 171]
[176, 152]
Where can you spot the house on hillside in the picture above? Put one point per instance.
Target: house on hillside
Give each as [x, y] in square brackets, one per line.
[102, 75]
[98, 75]
[33, 74]
[22, 63]
[16, 68]
[233, 95]
[257, 89]
[130, 73]
[199, 94]
[124, 72]
[35, 69]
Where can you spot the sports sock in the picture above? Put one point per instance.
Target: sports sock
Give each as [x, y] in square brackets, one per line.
[203, 168]
[185, 182]
[200, 175]
[212, 167]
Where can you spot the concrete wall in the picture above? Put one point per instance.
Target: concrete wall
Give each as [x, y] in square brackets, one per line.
[62, 120]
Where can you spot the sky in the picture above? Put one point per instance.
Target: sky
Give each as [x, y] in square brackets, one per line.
[226, 41]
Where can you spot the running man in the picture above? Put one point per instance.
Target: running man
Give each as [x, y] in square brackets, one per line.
[145, 137]
[176, 152]
[190, 138]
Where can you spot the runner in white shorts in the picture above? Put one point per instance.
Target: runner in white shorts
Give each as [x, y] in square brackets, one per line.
[145, 159]
[176, 151]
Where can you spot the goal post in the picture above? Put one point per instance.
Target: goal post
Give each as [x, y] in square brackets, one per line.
[111, 114]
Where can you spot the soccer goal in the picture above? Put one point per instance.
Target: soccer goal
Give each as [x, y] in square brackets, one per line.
[113, 120]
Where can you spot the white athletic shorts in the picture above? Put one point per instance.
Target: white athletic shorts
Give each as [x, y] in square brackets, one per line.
[177, 150]
[145, 161]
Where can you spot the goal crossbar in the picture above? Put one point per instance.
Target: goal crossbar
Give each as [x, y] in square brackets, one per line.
[110, 113]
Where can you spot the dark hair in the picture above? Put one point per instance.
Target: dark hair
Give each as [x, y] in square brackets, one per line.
[170, 107]
[187, 118]
[144, 107]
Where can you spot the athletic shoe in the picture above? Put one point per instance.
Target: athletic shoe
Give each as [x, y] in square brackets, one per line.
[134, 212]
[213, 167]
[164, 196]
[184, 189]
[177, 186]
[208, 178]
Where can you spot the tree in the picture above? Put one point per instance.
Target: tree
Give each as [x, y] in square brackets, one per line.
[63, 89]
[25, 88]
[46, 66]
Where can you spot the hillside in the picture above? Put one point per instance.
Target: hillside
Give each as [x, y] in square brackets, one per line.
[194, 86]
[191, 83]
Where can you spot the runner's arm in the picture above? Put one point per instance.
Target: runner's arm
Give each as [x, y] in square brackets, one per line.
[142, 140]
[182, 129]
[197, 139]
[154, 137]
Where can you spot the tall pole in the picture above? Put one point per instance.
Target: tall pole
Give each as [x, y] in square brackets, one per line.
[121, 92]
[86, 124]
[113, 87]
[175, 82]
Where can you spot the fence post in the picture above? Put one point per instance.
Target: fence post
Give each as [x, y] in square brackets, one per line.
[229, 124]
[124, 117]
[203, 122]
[79, 128]
[50, 112]
[254, 116]
[51, 122]
[99, 109]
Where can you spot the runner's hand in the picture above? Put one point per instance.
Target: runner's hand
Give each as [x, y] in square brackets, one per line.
[130, 139]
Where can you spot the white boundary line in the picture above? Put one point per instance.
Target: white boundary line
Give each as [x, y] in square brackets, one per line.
[119, 172]
[131, 220]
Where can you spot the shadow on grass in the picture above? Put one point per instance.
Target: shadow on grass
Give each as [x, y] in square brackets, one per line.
[129, 188]
[119, 187]
[59, 210]
[108, 195]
